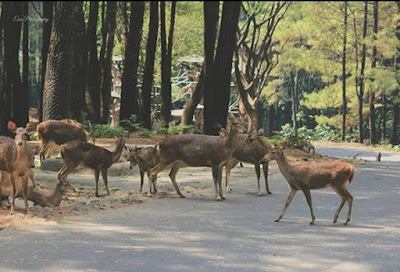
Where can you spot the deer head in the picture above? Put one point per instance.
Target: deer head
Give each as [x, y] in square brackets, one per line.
[21, 134]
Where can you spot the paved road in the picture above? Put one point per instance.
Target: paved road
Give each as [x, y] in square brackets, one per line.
[238, 234]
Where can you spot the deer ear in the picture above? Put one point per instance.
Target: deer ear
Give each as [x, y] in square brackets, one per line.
[11, 126]
[281, 147]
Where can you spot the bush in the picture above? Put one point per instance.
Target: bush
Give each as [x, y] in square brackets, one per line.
[131, 123]
[107, 131]
[144, 132]
[303, 139]
[326, 133]
[183, 129]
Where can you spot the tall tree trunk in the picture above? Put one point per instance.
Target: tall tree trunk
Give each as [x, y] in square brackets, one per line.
[2, 113]
[57, 83]
[21, 101]
[211, 10]
[344, 99]
[47, 25]
[148, 75]
[106, 61]
[166, 57]
[362, 75]
[11, 73]
[79, 65]
[92, 94]
[394, 137]
[223, 59]
[294, 78]
[372, 127]
[194, 100]
[129, 90]
[383, 116]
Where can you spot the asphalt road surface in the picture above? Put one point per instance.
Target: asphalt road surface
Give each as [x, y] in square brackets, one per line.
[238, 234]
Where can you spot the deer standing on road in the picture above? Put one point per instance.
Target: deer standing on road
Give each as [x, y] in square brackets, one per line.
[305, 177]
[15, 159]
[89, 155]
[146, 158]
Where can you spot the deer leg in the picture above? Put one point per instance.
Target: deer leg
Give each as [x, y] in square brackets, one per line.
[346, 196]
[66, 170]
[229, 166]
[153, 174]
[13, 193]
[257, 167]
[142, 179]
[289, 199]
[1, 201]
[350, 203]
[154, 182]
[96, 178]
[307, 193]
[105, 180]
[220, 183]
[42, 150]
[24, 180]
[172, 175]
[265, 170]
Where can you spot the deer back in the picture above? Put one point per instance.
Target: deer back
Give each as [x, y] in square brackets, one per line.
[252, 147]
[60, 132]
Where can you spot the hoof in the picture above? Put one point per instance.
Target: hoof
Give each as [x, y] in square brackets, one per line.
[311, 223]
[269, 192]
[182, 196]
[277, 220]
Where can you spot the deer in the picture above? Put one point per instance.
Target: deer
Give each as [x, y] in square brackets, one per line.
[305, 177]
[53, 199]
[251, 149]
[196, 150]
[146, 158]
[99, 159]
[15, 159]
[58, 132]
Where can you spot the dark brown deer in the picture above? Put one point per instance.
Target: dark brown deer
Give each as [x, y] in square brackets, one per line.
[146, 158]
[16, 160]
[197, 151]
[95, 157]
[53, 199]
[58, 132]
[251, 149]
[318, 175]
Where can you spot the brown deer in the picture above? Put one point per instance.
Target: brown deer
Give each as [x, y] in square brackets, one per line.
[305, 177]
[58, 132]
[196, 151]
[53, 199]
[16, 160]
[146, 158]
[251, 149]
[89, 155]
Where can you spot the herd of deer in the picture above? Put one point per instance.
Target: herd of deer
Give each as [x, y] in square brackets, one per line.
[192, 150]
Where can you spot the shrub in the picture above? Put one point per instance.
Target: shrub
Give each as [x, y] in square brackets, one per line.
[131, 123]
[107, 131]
[144, 132]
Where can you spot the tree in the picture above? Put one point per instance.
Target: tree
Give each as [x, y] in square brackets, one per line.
[371, 93]
[394, 137]
[166, 58]
[21, 105]
[57, 83]
[148, 75]
[344, 98]
[129, 90]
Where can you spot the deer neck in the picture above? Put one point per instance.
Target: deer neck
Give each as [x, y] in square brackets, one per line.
[285, 167]
[232, 140]
[22, 157]
[116, 154]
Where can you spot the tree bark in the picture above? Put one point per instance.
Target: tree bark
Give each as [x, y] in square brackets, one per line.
[394, 137]
[194, 100]
[129, 90]
[148, 75]
[371, 93]
[2, 102]
[166, 57]
[47, 25]
[344, 99]
[21, 101]
[211, 10]
[294, 80]
[362, 76]
[57, 83]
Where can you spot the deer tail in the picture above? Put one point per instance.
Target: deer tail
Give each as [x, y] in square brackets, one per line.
[352, 170]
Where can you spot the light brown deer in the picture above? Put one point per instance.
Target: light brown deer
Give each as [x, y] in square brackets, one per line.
[53, 199]
[146, 158]
[196, 151]
[57, 132]
[251, 149]
[95, 157]
[305, 177]
[15, 159]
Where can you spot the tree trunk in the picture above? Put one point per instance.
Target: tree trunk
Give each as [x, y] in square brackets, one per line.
[2, 102]
[148, 75]
[106, 61]
[129, 90]
[383, 117]
[223, 59]
[47, 25]
[166, 51]
[372, 128]
[294, 80]
[344, 99]
[21, 105]
[57, 83]
[79, 65]
[394, 137]
[362, 76]
[211, 10]
[194, 100]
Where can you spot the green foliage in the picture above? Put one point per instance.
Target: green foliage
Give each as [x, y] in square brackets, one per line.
[131, 123]
[324, 132]
[107, 131]
[162, 130]
[144, 132]
[183, 129]
[276, 139]
[303, 139]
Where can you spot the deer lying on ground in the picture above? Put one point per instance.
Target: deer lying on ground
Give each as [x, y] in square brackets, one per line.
[196, 151]
[95, 157]
[251, 149]
[15, 159]
[58, 132]
[146, 158]
[53, 199]
[305, 177]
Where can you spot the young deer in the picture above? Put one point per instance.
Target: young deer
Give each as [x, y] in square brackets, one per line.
[95, 157]
[53, 199]
[146, 158]
[251, 149]
[305, 177]
[196, 151]
[15, 159]
[58, 132]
